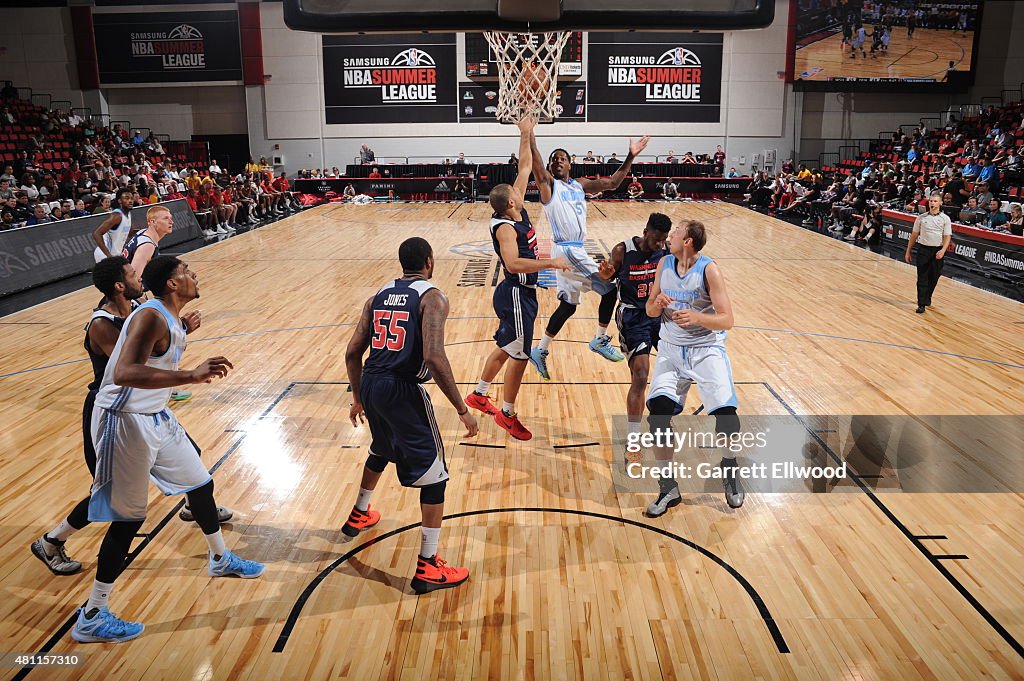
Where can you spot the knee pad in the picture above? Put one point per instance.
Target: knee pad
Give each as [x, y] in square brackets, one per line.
[376, 463]
[662, 409]
[433, 494]
[726, 420]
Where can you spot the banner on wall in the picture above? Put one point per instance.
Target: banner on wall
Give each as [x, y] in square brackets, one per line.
[168, 47]
[478, 103]
[664, 77]
[390, 79]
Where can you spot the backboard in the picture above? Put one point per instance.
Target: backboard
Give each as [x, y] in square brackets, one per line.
[406, 16]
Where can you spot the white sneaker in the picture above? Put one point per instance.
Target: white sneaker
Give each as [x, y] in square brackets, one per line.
[229, 228]
[209, 233]
[221, 230]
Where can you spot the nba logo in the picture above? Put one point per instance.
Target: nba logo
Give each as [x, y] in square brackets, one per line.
[677, 56]
[414, 57]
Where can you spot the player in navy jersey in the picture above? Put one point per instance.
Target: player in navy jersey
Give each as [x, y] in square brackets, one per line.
[144, 245]
[403, 326]
[634, 263]
[564, 201]
[515, 298]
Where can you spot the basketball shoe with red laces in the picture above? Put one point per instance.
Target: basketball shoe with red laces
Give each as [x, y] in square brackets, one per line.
[481, 403]
[359, 521]
[433, 574]
[513, 425]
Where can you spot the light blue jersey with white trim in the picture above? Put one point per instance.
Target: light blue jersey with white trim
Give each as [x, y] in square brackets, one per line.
[688, 290]
[567, 212]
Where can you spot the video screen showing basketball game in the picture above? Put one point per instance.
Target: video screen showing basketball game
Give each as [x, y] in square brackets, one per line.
[879, 45]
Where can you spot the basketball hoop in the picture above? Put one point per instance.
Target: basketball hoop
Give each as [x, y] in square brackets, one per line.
[527, 73]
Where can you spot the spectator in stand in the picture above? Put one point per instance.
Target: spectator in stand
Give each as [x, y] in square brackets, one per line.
[193, 181]
[669, 190]
[971, 169]
[635, 190]
[213, 197]
[7, 219]
[350, 191]
[22, 209]
[719, 160]
[732, 173]
[137, 139]
[971, 213]
[375, 173]
[589, 158]
[1016, 222]
[366, 154]
[38, 217]
[102, 205]
[989, 174]
[461, 160]
[28, 185]
[958, 189]
[995, 218]
[215, 170]
[282, 186]
[335, 172]
[252, 167]
[57, 214]
[265, 164]
[688, 158]
[671, 158]
[512, 160]
[5, 190]
[759, 191]
[870, 225]
[9, 174]
[79, 210]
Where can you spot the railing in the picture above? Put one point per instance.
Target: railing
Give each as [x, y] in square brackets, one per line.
[828, 158]
[994, 101]
[25, 93]
[58, 105]
[100, 120]
[1011, 96]
[932, 122]
[41, 100]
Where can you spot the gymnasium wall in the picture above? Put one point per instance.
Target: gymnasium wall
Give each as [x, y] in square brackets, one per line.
[37, 50]
[288, 111]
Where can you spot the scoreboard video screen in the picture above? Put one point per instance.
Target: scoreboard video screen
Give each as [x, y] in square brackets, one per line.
[480, 62]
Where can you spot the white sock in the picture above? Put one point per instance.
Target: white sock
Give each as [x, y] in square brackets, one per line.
[99, 597]
[634, 427]
[62, 531]
[508, 407]
[483, 386]
[545, 341]
[429, 537]
[217, 546]
[363, 500]
[601, 331]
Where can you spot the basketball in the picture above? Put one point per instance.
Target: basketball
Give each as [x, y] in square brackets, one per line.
[534, 83]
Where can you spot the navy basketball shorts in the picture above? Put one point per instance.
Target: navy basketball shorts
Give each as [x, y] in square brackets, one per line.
[516, 307]
[403, 430]
[638, 333]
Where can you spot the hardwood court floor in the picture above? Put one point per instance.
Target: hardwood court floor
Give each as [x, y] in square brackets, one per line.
[926, 55]
[579, 584]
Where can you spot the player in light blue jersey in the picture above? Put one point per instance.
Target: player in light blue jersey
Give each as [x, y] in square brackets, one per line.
[690, 297]
[564, 200]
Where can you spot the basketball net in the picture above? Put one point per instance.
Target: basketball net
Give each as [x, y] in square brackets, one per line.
[527, 73]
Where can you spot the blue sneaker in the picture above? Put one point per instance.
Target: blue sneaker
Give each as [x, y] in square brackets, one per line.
[539, 359]
[104, 627]
[602, 345]
[230, 564]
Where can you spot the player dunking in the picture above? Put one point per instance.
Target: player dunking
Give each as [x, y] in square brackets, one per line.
[566, 208]
[515, 298]
[689, 296]
[137, 439]
[634, 263]
[403, 325]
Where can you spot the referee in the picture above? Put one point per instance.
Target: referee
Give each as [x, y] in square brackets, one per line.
[932, 233]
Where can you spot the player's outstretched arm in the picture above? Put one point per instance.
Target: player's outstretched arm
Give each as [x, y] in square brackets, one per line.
[434, 313]
[656, 300]
[603, 184]
[357, 345]
[526, 126]
[517, 265]
[540, 172]
[146, 330]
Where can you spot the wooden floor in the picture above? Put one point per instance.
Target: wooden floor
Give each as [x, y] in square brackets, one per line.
[588, 588]
[927, 55]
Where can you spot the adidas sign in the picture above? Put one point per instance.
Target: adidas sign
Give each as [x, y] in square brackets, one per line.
[442, 186]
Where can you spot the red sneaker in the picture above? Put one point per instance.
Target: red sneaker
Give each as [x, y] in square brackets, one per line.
[481, 403]
[433, 574]
[359, 521]
[513, 425]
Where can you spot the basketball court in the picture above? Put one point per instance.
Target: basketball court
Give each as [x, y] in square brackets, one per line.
[901, 568]
[569, 579]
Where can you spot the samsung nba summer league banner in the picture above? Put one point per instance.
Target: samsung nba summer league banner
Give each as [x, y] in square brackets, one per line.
[168, 47]
[672, 77]
[390, 79]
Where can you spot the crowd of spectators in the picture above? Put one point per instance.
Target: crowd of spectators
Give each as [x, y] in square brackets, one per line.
[59, 165]
[973, 164]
